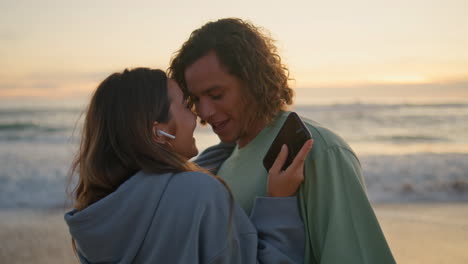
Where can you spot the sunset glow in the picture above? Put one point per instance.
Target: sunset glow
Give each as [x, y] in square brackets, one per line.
[60, 49]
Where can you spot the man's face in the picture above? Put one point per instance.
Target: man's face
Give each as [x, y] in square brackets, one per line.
[218, 97]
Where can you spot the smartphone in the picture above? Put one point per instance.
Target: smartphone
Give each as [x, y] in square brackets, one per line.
[294, 134]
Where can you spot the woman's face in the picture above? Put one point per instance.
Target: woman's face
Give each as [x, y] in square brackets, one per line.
[182, 123]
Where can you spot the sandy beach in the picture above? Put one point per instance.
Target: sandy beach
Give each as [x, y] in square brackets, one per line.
[426, 233]
[417, 233]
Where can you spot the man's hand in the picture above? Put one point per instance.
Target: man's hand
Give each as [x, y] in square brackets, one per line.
[286, 183]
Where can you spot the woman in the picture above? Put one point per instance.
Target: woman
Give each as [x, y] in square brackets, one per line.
[139, 199]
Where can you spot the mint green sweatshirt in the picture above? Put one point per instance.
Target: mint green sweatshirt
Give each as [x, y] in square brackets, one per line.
[340, 224]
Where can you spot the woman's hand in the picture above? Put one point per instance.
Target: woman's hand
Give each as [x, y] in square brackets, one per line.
[286, 183]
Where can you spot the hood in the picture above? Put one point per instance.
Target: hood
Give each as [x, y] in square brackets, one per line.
[113, 228]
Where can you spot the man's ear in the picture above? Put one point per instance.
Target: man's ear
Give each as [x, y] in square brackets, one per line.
[156, 136]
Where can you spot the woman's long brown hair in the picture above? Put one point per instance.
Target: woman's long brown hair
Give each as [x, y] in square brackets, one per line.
[117, 138]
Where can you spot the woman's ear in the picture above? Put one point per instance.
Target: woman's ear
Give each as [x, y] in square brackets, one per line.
[157, 136]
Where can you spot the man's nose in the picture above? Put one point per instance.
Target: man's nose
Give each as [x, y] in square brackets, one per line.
[205, 110]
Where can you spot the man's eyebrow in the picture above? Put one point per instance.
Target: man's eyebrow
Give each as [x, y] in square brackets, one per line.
[211, 89]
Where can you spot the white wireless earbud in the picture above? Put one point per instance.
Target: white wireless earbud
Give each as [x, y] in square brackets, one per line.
[162, 133]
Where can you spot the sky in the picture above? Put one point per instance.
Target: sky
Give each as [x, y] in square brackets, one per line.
[59, 50]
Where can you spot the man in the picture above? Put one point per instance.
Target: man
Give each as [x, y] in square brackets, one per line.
[232, 75]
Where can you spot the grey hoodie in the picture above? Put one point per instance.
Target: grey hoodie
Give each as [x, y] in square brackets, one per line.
[185, 218]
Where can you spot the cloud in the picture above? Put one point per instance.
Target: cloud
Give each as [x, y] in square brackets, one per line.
[452, 84]
[44, 85]
[448, 90]
[6, 85]
[449, 85]
[8, 36]
[66, 76]
[28, 86]
[459, 84]
[48, 80]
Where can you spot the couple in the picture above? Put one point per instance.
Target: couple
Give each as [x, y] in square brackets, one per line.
[140, 200]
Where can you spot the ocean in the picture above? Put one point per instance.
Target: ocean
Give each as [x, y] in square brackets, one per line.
[410, 152]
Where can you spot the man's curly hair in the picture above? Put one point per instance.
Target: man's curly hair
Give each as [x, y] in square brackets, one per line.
[246, 53]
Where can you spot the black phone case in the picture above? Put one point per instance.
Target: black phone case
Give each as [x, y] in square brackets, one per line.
[294, 134]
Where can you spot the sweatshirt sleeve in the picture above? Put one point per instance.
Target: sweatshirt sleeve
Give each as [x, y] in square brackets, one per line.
[340, 224]
[280, 230]
[279, 239]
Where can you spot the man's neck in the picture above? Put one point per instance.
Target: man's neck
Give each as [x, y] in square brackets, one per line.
[250, 134]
